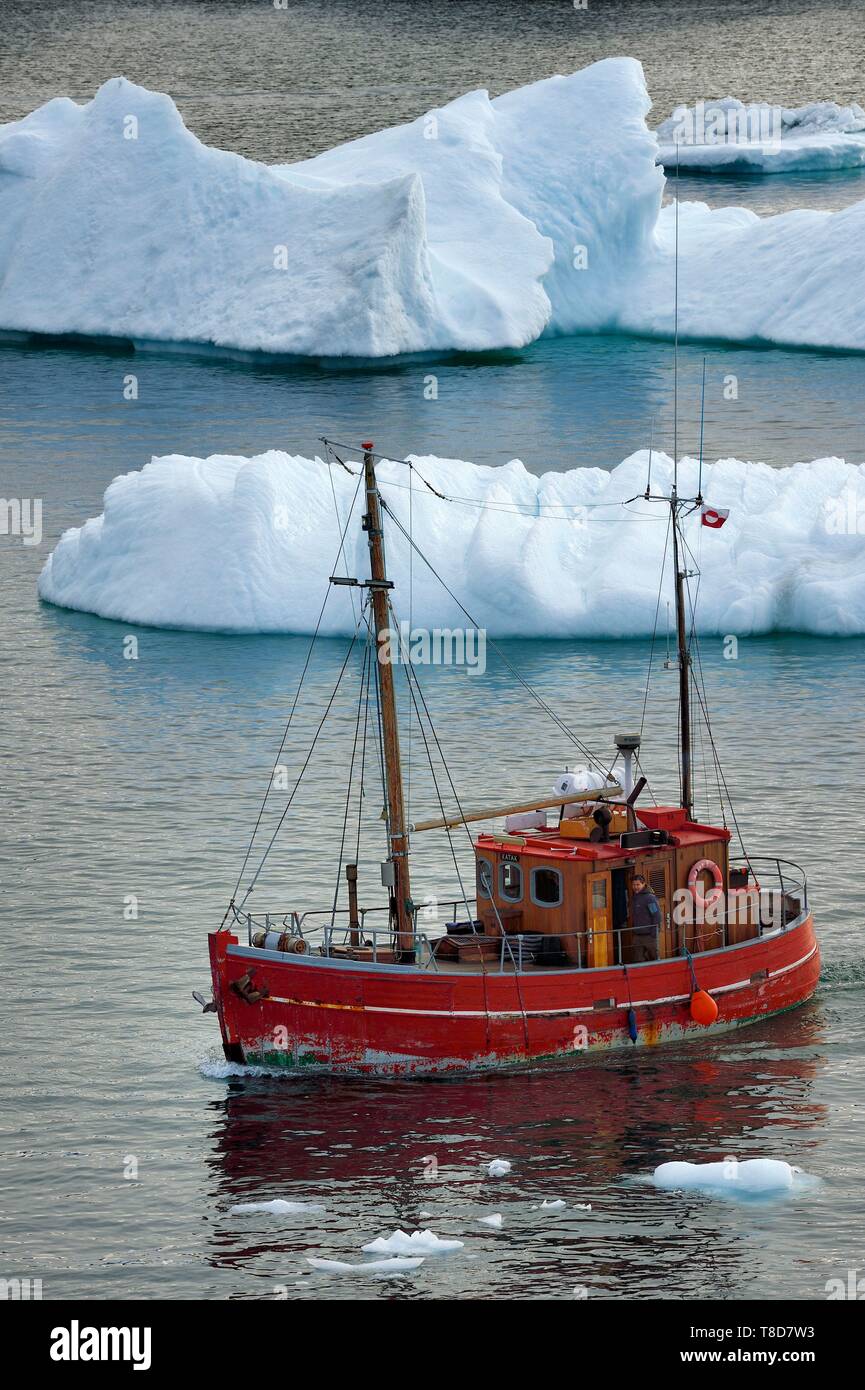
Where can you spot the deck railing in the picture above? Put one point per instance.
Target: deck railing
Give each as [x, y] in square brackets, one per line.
[320, 930]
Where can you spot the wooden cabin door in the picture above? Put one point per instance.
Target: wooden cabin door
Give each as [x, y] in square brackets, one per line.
[658, 877]
[599, 919]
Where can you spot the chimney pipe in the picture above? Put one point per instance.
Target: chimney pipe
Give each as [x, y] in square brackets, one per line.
[627, 745]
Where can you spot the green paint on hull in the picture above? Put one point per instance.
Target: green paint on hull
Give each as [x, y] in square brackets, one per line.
[287, 1061]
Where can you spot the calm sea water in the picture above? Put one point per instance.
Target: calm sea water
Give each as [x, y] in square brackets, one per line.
[125, 1143]
[279, 83]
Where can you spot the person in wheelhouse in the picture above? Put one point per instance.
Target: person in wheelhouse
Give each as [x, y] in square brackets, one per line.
[645, 919]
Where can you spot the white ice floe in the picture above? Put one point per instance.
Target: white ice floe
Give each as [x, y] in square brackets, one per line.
[730, 136]
[418, 1243]
[399, 1265]
[753, 1177]
[479, 225]
[555, 1204]
[277, 1207]
[248, 545]
[494, 1220]
[498, 1167]
[582, 1206]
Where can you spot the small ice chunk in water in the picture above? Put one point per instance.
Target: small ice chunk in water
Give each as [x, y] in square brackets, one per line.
[554, 1205]
[278, 1207]
[582, 1206]
[494, 1220]
[418, 1243]
[753, 1177]
[399, 1265]
[498, 1168]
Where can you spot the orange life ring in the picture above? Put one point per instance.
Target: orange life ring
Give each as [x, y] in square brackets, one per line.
[700, 898]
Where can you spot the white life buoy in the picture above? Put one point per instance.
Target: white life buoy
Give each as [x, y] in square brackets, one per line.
[717, 891]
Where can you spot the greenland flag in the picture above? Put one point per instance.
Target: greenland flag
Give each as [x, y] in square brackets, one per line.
[714, 516]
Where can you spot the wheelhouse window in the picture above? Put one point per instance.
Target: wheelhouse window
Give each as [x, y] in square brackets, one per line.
[485, 878]
[546, 887]
[511, 881]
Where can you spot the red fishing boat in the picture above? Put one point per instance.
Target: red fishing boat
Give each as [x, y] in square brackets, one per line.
[546, 962]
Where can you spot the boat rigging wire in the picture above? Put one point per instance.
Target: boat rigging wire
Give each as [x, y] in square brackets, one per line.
[699, 686]
[413, 683]
[703, 702]
[702, 697]
[530, 511]
[385, 815]
[304, 766]
[586, 752]
[411, 626]
[702, 419]
[676, 337]
[350, 778]
[342, 555]
[361, 790]
[655, 627]
[294, 704]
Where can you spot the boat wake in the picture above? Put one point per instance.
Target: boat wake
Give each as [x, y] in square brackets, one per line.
[215, 1068]
[843, 975]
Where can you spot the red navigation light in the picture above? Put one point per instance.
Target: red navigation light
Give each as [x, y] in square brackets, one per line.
[367, 444]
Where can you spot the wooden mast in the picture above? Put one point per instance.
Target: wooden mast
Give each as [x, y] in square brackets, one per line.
[402, 913]
[687, 800]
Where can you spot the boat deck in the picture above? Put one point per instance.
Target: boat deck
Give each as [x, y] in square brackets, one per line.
[461, 946]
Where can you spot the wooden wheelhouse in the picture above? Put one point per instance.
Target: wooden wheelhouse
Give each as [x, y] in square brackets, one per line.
[552, 884]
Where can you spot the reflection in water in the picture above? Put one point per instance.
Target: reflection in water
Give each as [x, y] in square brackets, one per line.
[561, 403]
[380, 1154]
[768, 195]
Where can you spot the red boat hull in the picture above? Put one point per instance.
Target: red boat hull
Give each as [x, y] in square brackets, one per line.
[389, 1020]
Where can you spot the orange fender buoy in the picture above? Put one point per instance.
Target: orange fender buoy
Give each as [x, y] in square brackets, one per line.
[703, 1008]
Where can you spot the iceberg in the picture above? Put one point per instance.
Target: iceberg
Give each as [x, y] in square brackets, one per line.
[728, 136]
[435, 235]
[246, 545]
[499, 1167]
[790, 279]
[478, 226]
[754, 1177]
[119, 222]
